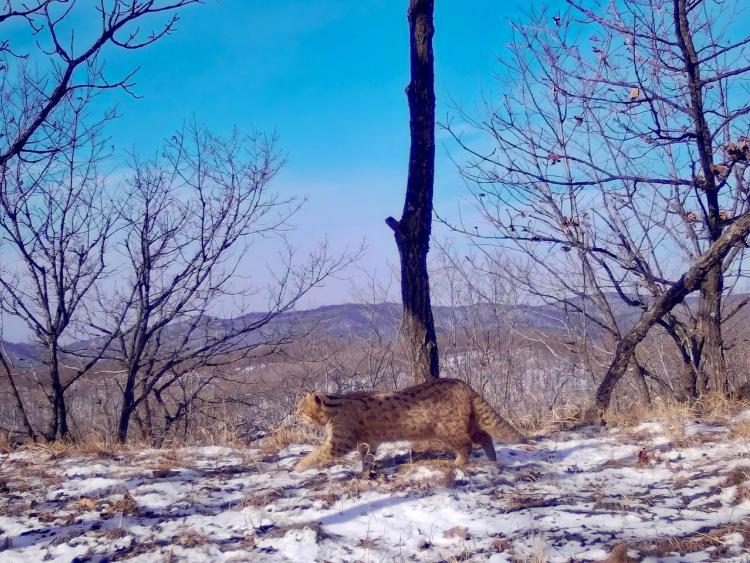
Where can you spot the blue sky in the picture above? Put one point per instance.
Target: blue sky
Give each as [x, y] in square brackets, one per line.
[328, 76]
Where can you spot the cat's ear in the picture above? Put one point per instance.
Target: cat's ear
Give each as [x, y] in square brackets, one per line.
[317, 397]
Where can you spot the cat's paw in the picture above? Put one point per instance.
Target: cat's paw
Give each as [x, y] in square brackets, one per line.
[304, 464]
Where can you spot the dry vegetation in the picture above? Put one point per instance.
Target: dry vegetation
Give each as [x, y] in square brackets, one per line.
[585, 493]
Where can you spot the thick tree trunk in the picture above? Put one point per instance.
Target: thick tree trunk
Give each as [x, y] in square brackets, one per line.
[124, 422]
[59, 409]
[412, 232]
[713, 373]
[713, 368]
[128, 406]
[689, 282]
[61, 413]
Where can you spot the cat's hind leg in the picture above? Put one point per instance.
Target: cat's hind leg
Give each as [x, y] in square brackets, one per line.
[367, 454]
[485, 440]
[462, 447]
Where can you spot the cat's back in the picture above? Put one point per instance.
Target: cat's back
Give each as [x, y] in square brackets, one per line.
[410, 413]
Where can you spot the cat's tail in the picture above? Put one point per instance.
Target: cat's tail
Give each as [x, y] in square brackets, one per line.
[493, 423]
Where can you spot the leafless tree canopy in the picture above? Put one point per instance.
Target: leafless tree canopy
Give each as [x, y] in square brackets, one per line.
[54, 216]
[617, 158]
[123, 286]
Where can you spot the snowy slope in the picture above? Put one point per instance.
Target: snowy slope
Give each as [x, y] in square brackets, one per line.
[572, 496]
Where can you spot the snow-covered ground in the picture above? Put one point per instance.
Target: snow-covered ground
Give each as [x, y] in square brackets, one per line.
[572, 496]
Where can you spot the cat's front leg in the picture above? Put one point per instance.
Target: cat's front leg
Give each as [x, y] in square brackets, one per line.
[318, 457]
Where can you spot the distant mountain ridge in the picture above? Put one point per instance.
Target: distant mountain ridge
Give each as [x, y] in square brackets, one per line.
[354, 320]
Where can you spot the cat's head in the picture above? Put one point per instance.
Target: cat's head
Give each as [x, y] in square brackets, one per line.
[311, 409]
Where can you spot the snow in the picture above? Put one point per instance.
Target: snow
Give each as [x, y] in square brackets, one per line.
[570, 496]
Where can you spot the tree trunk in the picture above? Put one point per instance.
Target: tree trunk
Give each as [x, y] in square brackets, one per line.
[640, 378]
[713, 368]
[60, 412]
[709, 325]
[412, 232]
[124, 422]
[689, 282]
[128, 405]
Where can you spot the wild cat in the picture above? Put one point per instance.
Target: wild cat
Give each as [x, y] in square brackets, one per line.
[444, 410]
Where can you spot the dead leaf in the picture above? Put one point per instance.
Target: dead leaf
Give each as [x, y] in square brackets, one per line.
[459, 532]
[500, 545]
[86, 504]
[720, 170]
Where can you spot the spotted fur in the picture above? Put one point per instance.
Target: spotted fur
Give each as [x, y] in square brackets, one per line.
[445, 410]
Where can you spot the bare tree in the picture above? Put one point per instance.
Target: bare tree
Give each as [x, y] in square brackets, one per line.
[53, 216]
[56, 222]
[737, 233]
[412, 231]
[620, 153]
[521, 354]
[190, 219]
[66, 67]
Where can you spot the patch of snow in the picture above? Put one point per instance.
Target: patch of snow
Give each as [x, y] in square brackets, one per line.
[574, 495]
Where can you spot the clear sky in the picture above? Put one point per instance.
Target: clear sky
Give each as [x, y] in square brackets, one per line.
[328, 76]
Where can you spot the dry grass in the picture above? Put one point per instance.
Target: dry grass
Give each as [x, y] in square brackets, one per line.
[221, 432]
[673, 415]
[261, 499]
[718, 408]
[563, 417]
[740, 430]
[690, 543]
[538, 550]
[737, 476]
[93, 445]
[192, 538]
[6, 445]
[712, 408]
[101, 443]
[126, 505]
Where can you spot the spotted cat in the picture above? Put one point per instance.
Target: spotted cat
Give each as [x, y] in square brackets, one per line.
[444, 410]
